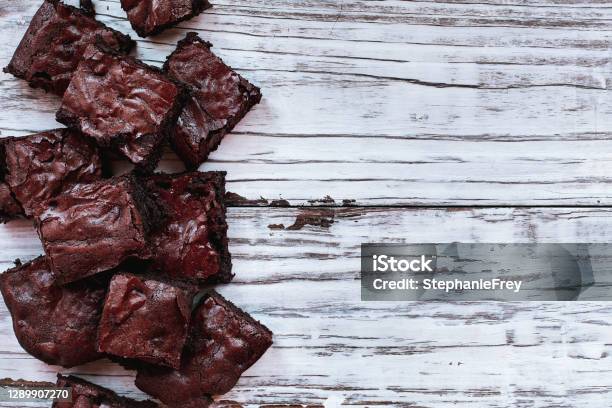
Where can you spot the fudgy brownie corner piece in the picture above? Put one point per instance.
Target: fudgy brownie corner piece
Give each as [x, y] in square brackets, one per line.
[125, 105]
[36, 167]
[192, 244]
[220, 99]
[91, 228]
[88, 395]
[52, 46]
[56, 324]
[149, 17]
[145, 318]
[223, 342]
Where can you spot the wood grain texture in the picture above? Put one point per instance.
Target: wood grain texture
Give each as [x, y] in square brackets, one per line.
[394, 103]
[330, 347]
[401, 104]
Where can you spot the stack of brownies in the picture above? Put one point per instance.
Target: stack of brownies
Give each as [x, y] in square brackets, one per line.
[127, 257]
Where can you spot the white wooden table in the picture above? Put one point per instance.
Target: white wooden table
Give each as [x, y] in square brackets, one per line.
[390, 121]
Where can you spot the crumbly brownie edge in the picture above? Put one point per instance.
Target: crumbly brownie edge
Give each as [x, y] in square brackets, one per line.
[166, 127]
[225, 274]
[3, 166]
[151, 212]
[7, 216]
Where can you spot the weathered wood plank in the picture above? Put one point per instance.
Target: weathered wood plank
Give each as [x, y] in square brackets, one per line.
[331, 347]
[395, 103]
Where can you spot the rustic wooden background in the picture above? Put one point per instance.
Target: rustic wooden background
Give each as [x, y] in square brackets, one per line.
[390, 121]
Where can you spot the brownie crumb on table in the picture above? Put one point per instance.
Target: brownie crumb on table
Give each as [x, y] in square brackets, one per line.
[145, 318]
[56, 324]
[88, 395]
[36, 167]
[223, 342]
[149, 17]
[94, 227]
[220, 99]
[52, 46]
[192, 243]
[123, 104]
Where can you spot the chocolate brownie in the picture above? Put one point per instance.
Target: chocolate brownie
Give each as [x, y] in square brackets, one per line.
[89, 395]
[39, 166]
[145, 318]
[91, 228]
[192, 243]
[56, 324]
[220, 99]
[52, 46]
[223, 342]
[150, 17]
[123, 104]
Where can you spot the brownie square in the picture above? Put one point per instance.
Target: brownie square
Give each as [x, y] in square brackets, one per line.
[56, 324]
[89, 395]
[220, 99]
[145, 318]
[192, 244]
[149, 17]
[91, 228]
[52, 46]
[123, 104]
[224, 341]
[39, 166]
